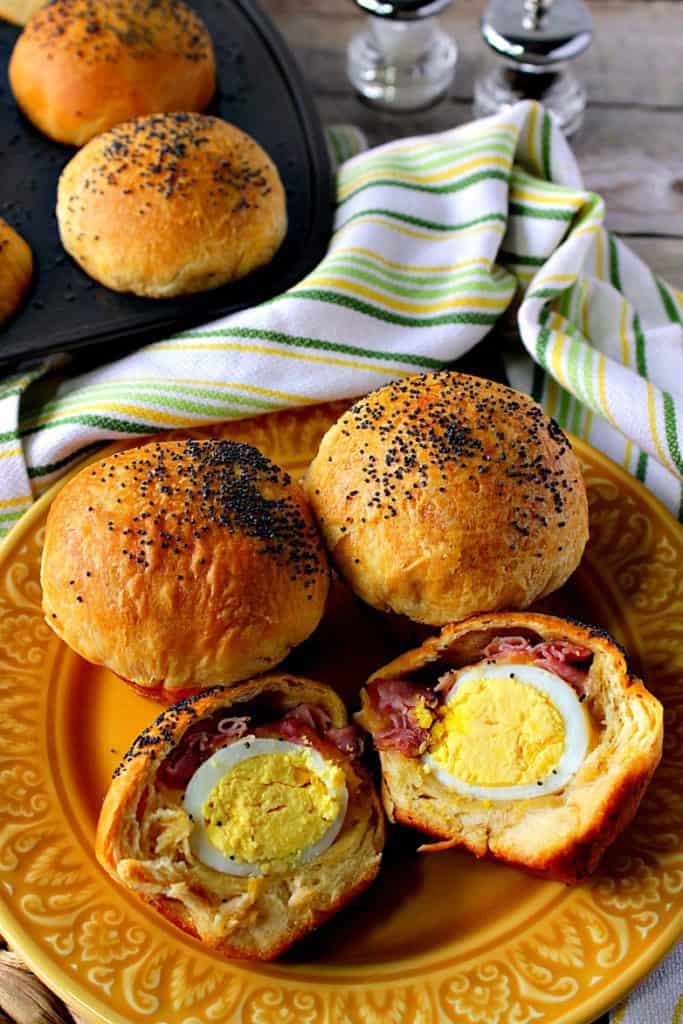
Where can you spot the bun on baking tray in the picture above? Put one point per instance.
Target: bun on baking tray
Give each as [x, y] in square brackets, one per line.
[171, 204]
[183, 564]
[442, 495]
[16, 270]
[82, 66]
[243, 815]
[518, 736]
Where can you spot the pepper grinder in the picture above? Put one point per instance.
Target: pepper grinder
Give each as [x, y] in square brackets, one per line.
[402, 60]
[536, 40]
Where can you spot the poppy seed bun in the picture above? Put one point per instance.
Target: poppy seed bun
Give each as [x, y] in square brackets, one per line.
[564, 834]
[183, 564]
[142, 837]
[16, 270]
[443, 495]
[171, 204]
[82, 66]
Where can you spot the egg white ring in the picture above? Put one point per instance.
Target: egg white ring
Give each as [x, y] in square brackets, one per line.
[562, 697]
[210, 773]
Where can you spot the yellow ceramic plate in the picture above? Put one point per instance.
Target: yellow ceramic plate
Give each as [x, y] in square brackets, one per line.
[439, 938]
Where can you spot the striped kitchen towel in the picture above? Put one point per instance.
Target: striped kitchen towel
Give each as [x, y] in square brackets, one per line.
[434, 238]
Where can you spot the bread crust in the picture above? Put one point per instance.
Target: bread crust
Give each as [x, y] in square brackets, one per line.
[443, 495]
[182, 564]
[171, 204]
[560, 836]
[266, 924]
[82, 66]
[16, 270]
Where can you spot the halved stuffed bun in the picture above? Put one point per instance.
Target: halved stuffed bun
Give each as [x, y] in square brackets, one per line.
[519, 736]
[244, 816]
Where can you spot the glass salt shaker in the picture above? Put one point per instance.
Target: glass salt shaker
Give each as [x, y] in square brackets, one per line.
[536, 40]
[402, 60]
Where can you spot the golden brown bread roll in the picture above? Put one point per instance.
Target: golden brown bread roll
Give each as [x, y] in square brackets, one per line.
[82, 66]
[183, 564]
[443, 495]
[16, 270]
[171, 204]
[252, 853]
[521, 737]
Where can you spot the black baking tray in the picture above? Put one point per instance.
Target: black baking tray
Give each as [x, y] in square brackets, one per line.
[261, 90]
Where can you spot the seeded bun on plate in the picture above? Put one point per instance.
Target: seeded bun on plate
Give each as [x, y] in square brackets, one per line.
[171, 204]
[182, 565]
[443, 495]
[82, 66]
[16, 270]
[149, 840]
[476, 702]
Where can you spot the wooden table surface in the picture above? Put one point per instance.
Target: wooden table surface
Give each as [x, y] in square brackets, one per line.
[631, 145]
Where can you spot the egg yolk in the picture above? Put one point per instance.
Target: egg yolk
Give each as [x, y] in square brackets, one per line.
[423, 715]
[271, 807]
[498, 732]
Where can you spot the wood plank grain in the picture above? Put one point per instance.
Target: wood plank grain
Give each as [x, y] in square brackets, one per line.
[663, 255]
[634, 159]
[634, 59]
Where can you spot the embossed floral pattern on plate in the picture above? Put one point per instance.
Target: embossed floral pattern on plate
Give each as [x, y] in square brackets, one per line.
[565, 961]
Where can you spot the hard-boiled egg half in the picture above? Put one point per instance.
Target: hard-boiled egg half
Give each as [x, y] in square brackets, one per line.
[263, 805]
[508, 732]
